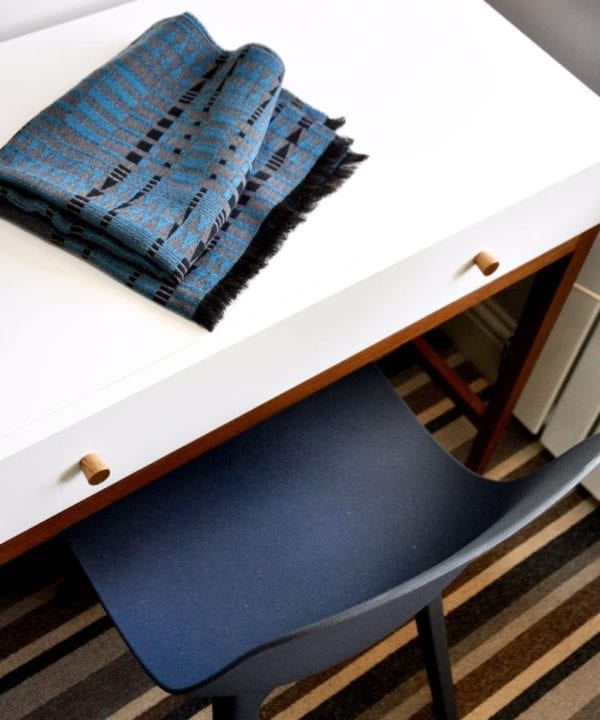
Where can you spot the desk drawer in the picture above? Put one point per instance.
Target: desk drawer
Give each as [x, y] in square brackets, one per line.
[335, 330]
[46, 479]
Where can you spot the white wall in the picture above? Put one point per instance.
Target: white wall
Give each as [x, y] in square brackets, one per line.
[18, 17]
[569, 30]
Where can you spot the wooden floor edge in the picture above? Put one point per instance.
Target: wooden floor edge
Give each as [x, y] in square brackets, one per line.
[54, 525]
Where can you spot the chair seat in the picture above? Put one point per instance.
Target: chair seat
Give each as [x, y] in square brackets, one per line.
[333, 502]
[304, 516]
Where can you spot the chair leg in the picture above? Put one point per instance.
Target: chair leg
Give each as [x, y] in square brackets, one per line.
[240, 707]
[432, 634]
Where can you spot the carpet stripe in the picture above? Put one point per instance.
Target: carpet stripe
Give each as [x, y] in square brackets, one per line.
[534, 672]
[590, 712]
[105, 687]
[403, 701]
[499, 633]
[55, 639]
[573, 694]
[33, 571]
[61, 675]
[141, 704]
[536, 462]
[28, 603]
[162, 708]
[413, 378]
[456, 433]
[435, 411]
[70, 601]
[349, 672]
[448, 416]
[522, 578]
[549, 684]
[551, 680]
[502, 469]
[522, 654]
[190, 709]
[205, 714]
[413, 384]
[60, 650]
[405, 386]
[527, 609]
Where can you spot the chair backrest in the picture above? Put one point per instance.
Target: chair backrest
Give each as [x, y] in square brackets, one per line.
[319, 646]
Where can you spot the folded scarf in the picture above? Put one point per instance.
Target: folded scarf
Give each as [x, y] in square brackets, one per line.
[177, 167]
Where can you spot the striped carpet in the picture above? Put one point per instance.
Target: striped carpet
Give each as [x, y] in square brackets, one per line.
[523, 622]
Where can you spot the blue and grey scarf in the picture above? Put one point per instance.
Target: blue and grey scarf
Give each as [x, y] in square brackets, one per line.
[177, 167]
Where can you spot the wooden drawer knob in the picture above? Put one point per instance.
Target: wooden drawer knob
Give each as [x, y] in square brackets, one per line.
[94, 468]
[486, 263]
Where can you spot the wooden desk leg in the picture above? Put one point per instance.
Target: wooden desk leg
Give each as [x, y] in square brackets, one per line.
[546, 298]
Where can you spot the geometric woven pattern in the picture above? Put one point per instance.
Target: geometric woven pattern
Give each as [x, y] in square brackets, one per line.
[177, 167]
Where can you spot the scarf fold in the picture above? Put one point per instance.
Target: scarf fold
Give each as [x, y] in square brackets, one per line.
[177, 167]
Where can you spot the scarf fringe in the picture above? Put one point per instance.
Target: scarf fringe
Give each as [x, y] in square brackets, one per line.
[335, 123]
[331, 170]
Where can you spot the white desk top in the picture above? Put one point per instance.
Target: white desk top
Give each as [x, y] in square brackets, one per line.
[462, 116]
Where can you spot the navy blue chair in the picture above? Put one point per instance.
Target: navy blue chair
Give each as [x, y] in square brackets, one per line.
[300, 543]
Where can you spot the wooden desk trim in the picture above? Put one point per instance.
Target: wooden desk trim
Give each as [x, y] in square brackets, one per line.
[547, 296]
[576, 247]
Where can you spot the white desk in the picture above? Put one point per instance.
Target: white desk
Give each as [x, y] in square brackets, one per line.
[477, 140]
